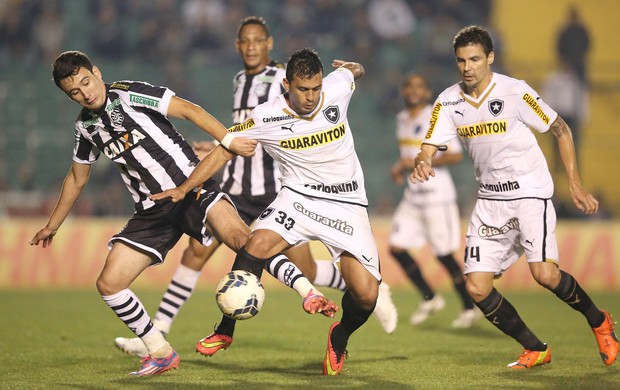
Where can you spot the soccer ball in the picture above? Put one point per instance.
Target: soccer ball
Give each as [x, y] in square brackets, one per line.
[240, 295]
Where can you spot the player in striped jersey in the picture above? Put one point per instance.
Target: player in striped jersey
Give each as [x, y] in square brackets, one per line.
[322, 197]
[427, 214]
[494, 114]
[252, 184]
[128, 122]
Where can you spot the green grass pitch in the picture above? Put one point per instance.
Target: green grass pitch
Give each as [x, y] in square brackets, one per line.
[64, 339]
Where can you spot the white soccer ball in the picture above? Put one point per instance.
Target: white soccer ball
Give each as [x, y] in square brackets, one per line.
[240, 295]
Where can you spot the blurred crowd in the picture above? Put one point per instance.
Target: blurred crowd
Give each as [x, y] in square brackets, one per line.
[390, 37]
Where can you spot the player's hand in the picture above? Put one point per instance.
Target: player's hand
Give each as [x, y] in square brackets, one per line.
[421, 173]
[203, 148]
[243, 146]
[355, 67]
[583, 200]
[338, 63]
[46, 235]
[175, 195]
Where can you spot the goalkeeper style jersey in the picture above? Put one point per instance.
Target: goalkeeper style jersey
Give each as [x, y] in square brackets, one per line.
[495, 129]
[315, 151]
[410, 133]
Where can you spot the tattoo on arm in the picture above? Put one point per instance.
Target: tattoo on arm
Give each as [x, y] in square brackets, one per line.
[559, 127]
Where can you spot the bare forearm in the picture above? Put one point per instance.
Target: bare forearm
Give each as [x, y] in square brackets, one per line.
[208, 166]
[207, 123]
[426, 155]
[583, 200]
[566, 147]
[183, 109]
[447, 159]
[69, 194]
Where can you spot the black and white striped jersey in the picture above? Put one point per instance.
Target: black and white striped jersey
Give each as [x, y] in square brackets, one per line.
[259, 174]
[133, 131]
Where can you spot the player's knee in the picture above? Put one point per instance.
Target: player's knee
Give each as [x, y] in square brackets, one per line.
[107, 287]
[478, 291]
[548, 277]
[236, 239]
[366, 300]
[195, 257]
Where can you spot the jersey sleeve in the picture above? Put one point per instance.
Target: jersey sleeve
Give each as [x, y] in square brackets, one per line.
[441, 128]
[455, 146]
[533, 111]
[84, 152]
[144, 95]
[246, 128]
[342, 81]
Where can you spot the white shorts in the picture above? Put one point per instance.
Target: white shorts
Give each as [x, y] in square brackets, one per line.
[438, 224]
[341, 227]
[501, 231]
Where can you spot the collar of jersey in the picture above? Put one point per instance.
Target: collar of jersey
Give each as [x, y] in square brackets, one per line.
[478, 102]
[311, 115]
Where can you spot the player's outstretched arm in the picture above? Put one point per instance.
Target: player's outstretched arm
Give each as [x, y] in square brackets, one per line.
[183, 109]
[583, 200]
[447, 158]
[355, 67]
[202, 148]
[423, 169]
[207, 167]
[72, 187]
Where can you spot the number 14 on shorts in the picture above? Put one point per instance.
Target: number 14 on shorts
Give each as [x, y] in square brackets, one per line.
[472, 252]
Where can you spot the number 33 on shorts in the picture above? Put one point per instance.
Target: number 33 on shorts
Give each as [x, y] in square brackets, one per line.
[280, 217]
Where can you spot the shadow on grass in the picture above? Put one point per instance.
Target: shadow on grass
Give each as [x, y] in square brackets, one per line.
[552, 377]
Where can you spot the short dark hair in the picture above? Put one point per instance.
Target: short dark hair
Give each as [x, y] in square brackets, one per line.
[69, 64]
[257, 20]
[472, 35]
[304, 63]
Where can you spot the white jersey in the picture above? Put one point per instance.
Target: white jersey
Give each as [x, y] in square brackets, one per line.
[496, 132]
[410, 133]
[316, 151]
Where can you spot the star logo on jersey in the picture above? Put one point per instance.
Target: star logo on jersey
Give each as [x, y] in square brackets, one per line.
[496, 106]
[267, 212]
[332, 114]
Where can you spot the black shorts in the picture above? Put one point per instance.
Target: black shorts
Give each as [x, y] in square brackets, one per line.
[156, 230]
[251, 207]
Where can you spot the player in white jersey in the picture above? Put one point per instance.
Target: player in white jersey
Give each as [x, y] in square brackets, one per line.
[322, 197]
[128, 122]
[251, 183]
[427, 214]
[493, 115]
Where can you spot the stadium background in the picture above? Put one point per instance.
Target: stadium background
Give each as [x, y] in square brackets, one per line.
[153, 41]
